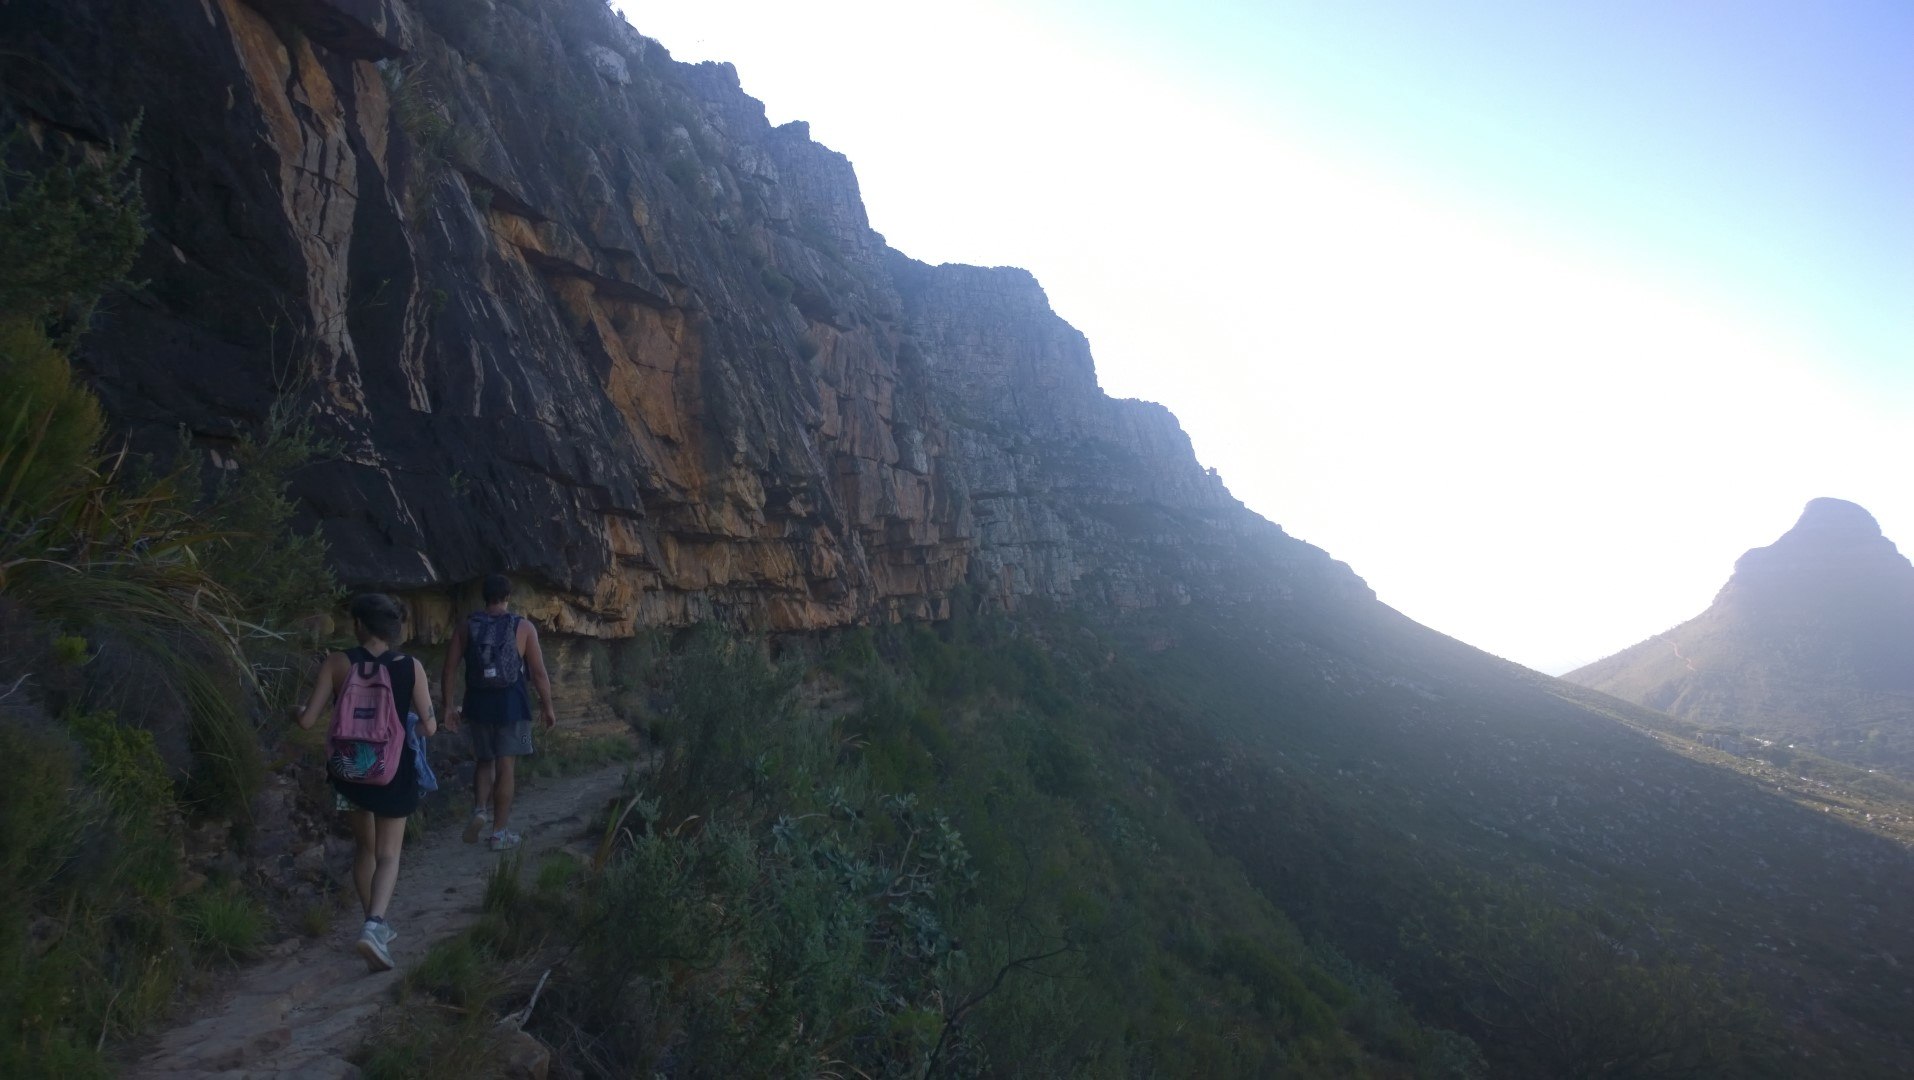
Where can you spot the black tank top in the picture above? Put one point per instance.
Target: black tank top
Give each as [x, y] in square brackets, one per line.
[400, 797]
[398, 667]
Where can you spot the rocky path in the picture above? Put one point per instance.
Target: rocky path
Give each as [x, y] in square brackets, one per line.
[297, 1016]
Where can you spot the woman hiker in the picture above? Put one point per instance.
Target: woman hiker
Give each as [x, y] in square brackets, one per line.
[377, 810]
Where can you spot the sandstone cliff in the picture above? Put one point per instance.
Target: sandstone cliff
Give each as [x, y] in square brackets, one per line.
[570, 308]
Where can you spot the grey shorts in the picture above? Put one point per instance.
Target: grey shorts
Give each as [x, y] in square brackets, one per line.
[491, 741]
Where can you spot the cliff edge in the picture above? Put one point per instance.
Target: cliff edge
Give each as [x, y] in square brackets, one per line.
[569, 308]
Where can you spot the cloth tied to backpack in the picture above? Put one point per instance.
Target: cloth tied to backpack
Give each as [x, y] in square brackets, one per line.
[428, 780]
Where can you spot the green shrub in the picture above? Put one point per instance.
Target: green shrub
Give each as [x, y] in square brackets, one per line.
[1571, 999]
[424, 1045]
[315, 920]
[734, 710]
[51, 425]
[440, 145]
[68, 233]
[86, 550]
[276, 578]
[86, 945]
[556, 874]
[117, 608]
[225, 923]
[502, 886]
[563, 752]
[735, 938]
[634, 669]
[905, 887]
[274, 574]
[457, 972]
[124, 765]
[406, 1053]
[42, 825]
[444, 1027]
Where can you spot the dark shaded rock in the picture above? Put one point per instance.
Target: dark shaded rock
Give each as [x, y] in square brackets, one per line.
[522, 1057]
[576, 311]
[361, 29]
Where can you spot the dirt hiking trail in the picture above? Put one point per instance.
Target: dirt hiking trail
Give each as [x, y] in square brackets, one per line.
[297, 1016]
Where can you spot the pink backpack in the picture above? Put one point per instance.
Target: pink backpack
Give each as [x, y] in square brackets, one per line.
[367, 738]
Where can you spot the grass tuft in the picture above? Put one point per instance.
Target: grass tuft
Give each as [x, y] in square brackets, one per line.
[225, 923]
[316, 919]
[502, 886]
[556, 873]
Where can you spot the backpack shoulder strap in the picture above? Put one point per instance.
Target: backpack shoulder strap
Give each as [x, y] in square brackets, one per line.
[359, 661]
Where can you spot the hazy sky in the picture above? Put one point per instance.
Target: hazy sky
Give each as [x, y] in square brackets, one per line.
[1537, 314]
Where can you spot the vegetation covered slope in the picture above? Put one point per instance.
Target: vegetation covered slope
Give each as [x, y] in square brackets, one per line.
[1809, 647]
[1193, 842]
[1381, 765]
[909, 852]
[144, 618]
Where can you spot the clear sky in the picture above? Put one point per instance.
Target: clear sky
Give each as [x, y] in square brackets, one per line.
[1537, 314]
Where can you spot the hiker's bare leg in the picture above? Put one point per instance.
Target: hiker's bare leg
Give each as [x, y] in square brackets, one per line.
[503, 790]
[391, 837]
[483, 774]
[364, 857]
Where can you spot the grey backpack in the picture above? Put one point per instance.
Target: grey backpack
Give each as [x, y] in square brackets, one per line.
[491, 653]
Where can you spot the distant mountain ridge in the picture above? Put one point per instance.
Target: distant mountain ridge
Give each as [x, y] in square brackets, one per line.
[1809, 644]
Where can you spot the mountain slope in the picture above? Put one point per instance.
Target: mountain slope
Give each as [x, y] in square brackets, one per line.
[1370, 768]
[1810, 645]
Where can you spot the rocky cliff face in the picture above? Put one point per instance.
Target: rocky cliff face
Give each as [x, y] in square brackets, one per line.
[575, 310]
[1810, 643]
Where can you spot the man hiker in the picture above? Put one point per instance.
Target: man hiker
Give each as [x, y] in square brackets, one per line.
[498, 649]
[375, 763]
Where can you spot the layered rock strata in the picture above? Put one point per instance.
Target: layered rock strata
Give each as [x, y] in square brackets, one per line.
[571, 309]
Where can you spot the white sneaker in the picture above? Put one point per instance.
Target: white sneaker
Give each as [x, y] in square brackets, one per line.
[480, 819]
[374, 945]
[504, 840]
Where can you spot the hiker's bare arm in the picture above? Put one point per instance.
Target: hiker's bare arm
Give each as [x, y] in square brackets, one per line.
[454, 652]
[535, 663]
[422, 698]
[330, 673]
